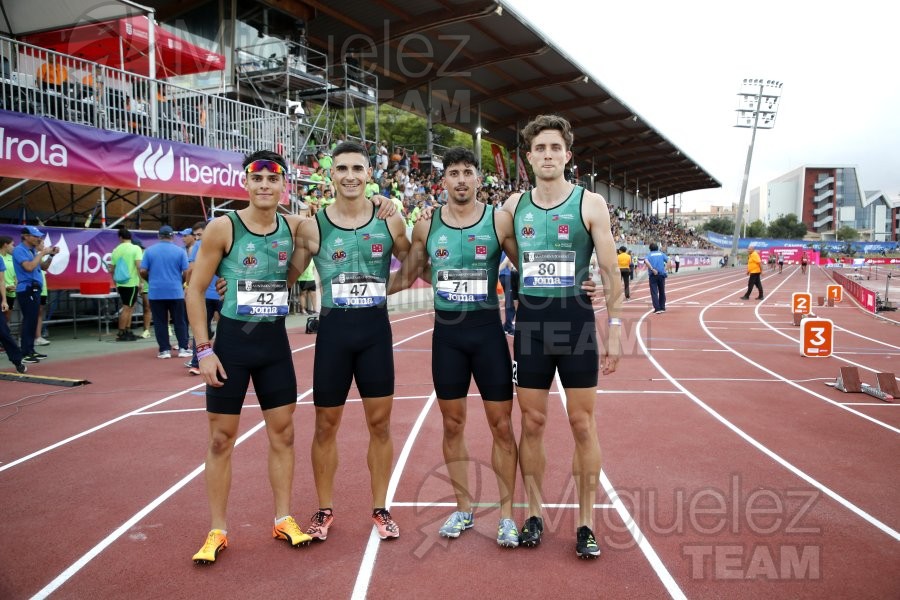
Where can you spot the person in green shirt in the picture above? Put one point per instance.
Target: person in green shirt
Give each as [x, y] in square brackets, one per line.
[9, 279]
[127, 279]
[325, 161]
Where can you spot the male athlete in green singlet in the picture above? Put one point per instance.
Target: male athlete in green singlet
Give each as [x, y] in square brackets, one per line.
[558, 226]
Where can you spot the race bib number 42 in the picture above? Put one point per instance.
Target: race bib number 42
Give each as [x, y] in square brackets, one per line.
[357, 290]
[262, 298]
[548, 268]
[462, 285]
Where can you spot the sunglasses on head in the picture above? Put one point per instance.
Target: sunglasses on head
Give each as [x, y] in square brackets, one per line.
[269, 165]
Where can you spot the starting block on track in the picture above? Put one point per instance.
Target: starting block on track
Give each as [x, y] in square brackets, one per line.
[848, 381]
[26, 378]
[798, 317]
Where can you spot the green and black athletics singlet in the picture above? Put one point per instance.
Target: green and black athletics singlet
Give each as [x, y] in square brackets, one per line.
[354, 264]
[464, 263]
[554, 247]
[256, 271]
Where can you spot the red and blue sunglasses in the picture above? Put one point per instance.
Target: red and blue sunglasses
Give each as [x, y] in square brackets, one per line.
[268, 165]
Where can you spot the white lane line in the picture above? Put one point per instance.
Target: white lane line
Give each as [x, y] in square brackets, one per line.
[137, 411]
[652, 557]
[364, 575]
[485, 505]
[124, 527]
[785, 379]
[86, 432]
[771, 454]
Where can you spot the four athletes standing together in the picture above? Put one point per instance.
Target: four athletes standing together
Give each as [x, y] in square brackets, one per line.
[551, 232]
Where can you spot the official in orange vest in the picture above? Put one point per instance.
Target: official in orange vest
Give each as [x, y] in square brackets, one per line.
[754, 270]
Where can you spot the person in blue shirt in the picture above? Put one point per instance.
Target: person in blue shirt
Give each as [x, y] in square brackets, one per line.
[164, 266]
[13, 352]
[213, 302]
[656, 263]
[29, 263]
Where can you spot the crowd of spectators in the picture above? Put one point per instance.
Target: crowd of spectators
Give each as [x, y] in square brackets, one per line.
[397, 175]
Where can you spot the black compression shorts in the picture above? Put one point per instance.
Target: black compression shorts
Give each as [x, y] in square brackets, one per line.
[353, 343]
[470, 344]
[254, 351]
[555, 334]
[127, 294]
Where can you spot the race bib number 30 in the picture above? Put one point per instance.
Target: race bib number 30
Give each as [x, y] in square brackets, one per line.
[357, 290]
[262, 298]
[548, 268]
[462, 285]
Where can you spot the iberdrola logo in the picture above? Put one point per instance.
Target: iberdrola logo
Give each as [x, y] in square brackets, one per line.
[61, 259]
[153, 164]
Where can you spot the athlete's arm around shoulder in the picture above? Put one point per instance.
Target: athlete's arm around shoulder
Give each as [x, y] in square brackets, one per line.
[511, 203]
[413, 265]
[306, 245]
[397, 227]
[506, 235]
[217, 239]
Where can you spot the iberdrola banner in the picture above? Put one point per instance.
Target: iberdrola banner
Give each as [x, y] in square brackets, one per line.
[49, 150]
[83, 253]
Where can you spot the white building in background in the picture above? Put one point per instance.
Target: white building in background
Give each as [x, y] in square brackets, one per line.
[826, 198]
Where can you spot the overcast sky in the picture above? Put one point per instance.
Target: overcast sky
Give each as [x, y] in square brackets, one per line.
[679, 66]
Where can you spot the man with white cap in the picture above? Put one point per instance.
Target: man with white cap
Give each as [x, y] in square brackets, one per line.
[29, 262]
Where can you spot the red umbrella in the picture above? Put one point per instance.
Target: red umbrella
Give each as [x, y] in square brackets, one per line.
[124, 44]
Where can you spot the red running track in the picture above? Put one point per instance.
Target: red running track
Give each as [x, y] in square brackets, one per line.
[730, 470]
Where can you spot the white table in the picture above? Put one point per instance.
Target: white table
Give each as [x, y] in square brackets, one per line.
[103, 311]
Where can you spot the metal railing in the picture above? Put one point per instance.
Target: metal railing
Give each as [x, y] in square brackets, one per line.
[44, 83]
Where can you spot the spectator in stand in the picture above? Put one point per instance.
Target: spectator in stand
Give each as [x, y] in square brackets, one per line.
[53, 75]
[414, 161]
[164, 266]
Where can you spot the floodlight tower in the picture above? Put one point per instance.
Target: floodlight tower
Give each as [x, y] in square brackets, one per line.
[757, 108]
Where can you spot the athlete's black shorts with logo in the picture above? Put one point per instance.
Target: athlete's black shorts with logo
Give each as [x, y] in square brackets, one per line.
[257, 351]
[353, 343]
[555, 334]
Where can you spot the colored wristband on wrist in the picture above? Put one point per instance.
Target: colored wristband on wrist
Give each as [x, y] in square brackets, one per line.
[203, 346]
[615, 321]
[205, 353]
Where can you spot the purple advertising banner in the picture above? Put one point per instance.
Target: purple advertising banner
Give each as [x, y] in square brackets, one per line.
[48, 150]
[83, 253]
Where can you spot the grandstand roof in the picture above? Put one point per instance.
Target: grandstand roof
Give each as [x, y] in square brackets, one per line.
[476, 54]
[479, 53]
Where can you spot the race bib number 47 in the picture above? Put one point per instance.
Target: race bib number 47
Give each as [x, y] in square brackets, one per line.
[548, 268]
[357, 290]
[262, 298]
